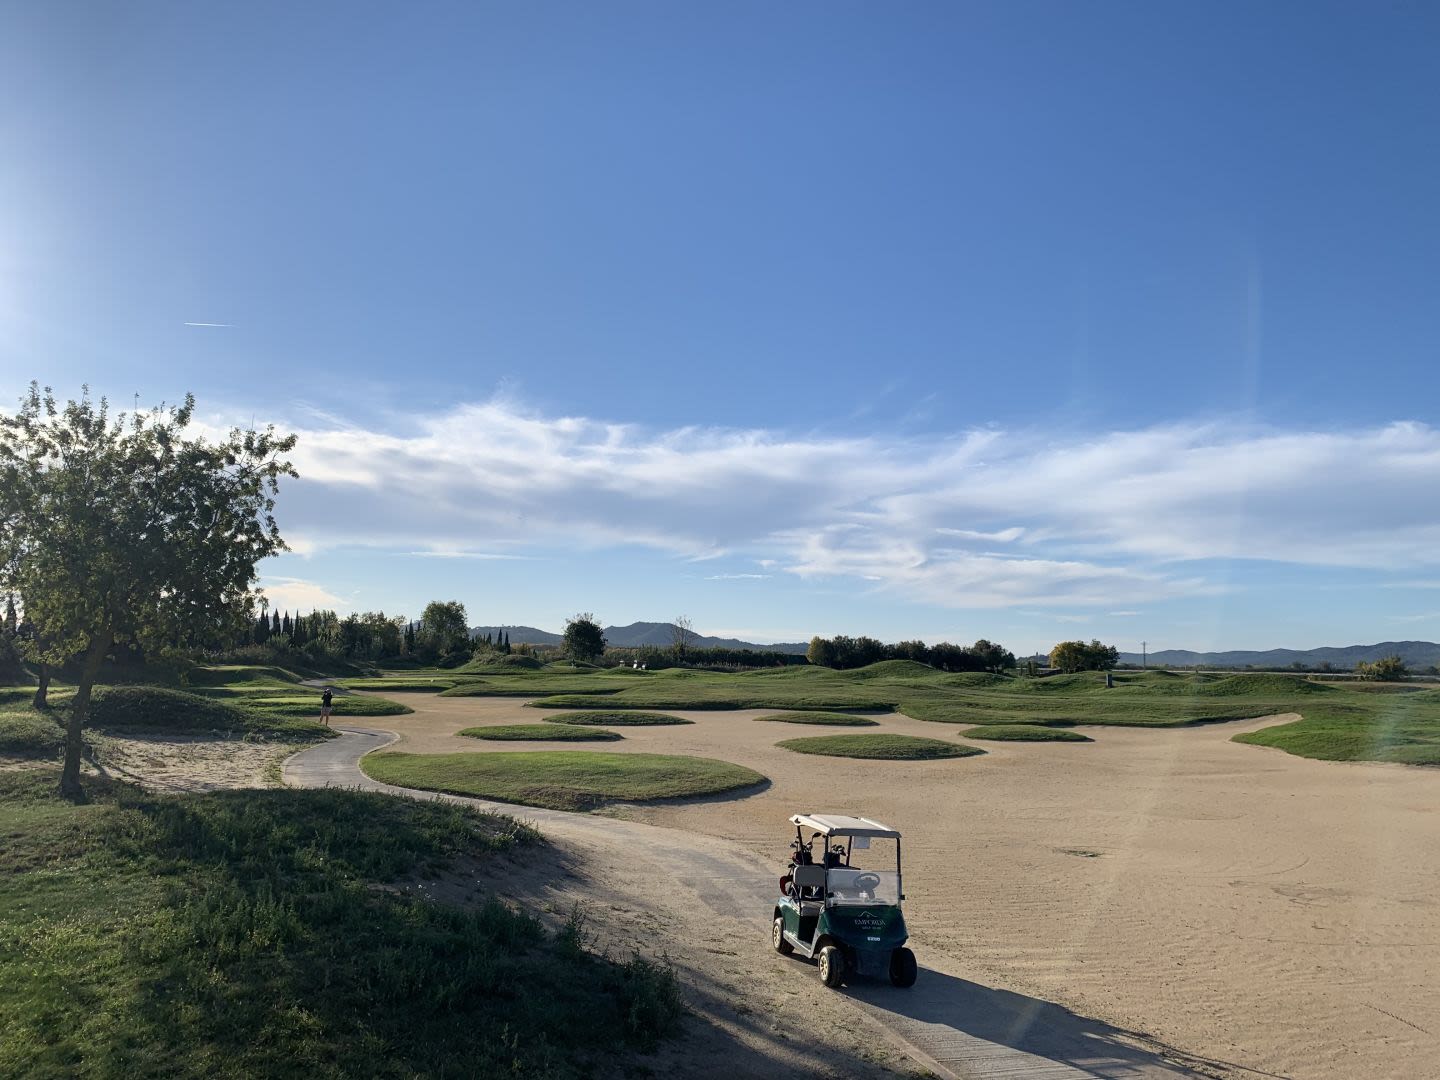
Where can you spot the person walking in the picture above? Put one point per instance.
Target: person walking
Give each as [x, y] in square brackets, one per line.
[325, 699]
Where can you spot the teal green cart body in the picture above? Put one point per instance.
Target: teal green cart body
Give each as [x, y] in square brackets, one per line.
[844, 909]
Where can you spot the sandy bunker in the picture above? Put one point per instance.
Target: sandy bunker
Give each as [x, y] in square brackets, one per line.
[1237, 902]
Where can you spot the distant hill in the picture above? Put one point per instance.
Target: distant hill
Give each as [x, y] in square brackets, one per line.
[1417, 655]
[634, 636]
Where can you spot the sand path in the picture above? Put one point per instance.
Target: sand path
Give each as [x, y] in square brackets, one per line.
[1236, 902]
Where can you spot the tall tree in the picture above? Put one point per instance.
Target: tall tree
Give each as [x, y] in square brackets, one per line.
[684, 635]
[584, 639]
[444, 629]
[286, 627]
[275, 624]
[123, 530]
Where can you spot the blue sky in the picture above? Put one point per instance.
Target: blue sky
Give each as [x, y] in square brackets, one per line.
[943, 320]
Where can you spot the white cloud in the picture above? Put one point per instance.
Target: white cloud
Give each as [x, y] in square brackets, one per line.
[1121, 614]
[1104, 522]
[295, 594]
[738, 577]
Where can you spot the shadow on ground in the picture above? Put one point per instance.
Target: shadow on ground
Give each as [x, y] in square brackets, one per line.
[965, 1023]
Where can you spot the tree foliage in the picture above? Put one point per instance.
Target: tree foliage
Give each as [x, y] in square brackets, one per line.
[1386, 669]
[843, 652]
[444, 631]
[584, 639]
[1072, 656]
[117, 530]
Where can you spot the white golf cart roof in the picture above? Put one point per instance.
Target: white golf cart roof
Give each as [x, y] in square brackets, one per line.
[843, 825]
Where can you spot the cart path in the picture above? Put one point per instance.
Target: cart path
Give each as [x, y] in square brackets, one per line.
[955, 1027]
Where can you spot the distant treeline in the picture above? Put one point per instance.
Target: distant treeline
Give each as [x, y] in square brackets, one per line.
[842, 651]
[660, 656]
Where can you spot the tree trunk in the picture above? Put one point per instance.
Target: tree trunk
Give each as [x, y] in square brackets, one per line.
[41, 700]
[79, 713]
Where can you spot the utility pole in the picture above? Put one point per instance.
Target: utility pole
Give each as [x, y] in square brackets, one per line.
[1144, 663]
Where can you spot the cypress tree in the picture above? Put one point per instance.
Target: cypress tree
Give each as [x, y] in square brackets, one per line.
[507, 642]
[285, 625]
[275, 624]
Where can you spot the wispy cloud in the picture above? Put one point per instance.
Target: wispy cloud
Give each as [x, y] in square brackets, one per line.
[212, 324]
[738, 577]
[1121, 614]
[1108, 522]
[443, 554]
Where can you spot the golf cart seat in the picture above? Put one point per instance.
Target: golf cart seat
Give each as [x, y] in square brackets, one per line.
[809, 886]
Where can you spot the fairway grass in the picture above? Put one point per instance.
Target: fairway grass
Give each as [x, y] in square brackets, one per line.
[880, 747]
[1024, 733]
[822, 719]
[1403, 728]
[561, 779]
[618, 718]
[269, 933]
[541, 733]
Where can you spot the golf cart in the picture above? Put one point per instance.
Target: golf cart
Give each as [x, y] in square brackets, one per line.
[841, 906]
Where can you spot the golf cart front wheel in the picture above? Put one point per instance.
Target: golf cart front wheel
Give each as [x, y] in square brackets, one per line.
[903, 968]
[777, 938]
[832, 966]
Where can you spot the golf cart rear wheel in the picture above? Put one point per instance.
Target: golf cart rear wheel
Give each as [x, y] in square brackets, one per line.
[777, 938]
[832, 966]
[903, 968]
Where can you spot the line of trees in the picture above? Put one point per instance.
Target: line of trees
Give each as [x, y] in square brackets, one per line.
[843, 652]
[1073, 656]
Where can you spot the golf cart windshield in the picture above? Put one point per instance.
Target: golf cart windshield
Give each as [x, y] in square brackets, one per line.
[850, 886]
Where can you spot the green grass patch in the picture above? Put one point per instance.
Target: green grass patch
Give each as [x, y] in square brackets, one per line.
[29, 732]
[343, 705]
[619, 718]
[262, 933]
[384, 685]
[1401, 728]
[502, 664]
[1024, 733]
[823, 719]
[541, 733]
[561, 779]
[156, 709]
[883, 747]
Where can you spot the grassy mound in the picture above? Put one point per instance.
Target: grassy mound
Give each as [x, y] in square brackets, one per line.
[1274, 686]
[1024, 733]
[156, 709]
[266, 933]
[230, 674]
[29, 732]
[501, 665]
[344, 705]
[537, 685]
[625, 718]
[399, 685]
[971, 680]
[824, 719]
[1403, 728]
[894, 669]
[884, 747]
[541, 733]
[561, 779]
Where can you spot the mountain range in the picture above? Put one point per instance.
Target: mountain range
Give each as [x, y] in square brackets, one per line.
[634, 636]
[1417, 655]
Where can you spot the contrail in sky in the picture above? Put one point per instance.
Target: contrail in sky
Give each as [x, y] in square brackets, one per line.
[209, 324]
